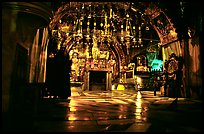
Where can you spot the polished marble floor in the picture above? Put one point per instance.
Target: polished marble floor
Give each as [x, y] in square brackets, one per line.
[115, 111]
[118, 111]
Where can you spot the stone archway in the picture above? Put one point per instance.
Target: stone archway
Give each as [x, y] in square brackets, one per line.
[150, 14]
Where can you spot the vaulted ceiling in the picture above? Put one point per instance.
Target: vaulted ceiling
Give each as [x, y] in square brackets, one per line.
[145, 22]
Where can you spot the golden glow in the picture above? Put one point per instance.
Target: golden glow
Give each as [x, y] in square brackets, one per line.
[139, 96]
[138, 102]
[71, 117]
[113, 87]
[138, 117]
[163, 54]
[139, 80]
[72, 109]
[72, 103]
[121, 87]
[138, 111]
[122, 116]
[58, 46]
[173, 33]
[120, 102]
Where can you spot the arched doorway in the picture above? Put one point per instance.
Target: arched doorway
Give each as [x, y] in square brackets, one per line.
[108, 35]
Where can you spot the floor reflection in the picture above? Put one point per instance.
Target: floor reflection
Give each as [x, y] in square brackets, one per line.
[94, 111]
[105, 110]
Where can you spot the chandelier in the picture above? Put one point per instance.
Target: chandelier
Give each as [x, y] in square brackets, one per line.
[104, 22]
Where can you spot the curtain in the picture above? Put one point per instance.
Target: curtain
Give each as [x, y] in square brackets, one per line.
[33, 58]
[38, 57]
[43, 57]
[173, 47]
[195, 68]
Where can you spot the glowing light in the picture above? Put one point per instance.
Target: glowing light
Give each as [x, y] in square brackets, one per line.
[113, 87]
[58, 46]
[72, 103]
[71, 117]
[138, 102]
[139, 80]
[72, 109]
[138, 111]
[139, 95]
[173, 33]
[157, 65]
[138, 117]
[122, 116]
[121, 87]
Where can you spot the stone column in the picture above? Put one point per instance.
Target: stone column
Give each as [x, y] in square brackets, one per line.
[18, 28]
[8, 53]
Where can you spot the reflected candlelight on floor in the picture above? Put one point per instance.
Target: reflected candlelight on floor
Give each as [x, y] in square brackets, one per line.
[139, 100]
[72, 103]
[138, 111]
[71, 117]
[103, 118]
[139, 96]
[70, 127]
[122, 117]
[86, 118]
[138, 117]
[119, 101]
[138, 103]
[72, 109]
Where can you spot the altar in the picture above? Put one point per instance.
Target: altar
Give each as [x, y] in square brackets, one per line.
[98, 80]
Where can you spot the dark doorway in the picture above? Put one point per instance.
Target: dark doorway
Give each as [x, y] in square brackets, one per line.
[97, 80]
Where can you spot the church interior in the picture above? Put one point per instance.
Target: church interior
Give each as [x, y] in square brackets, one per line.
[56, 48]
